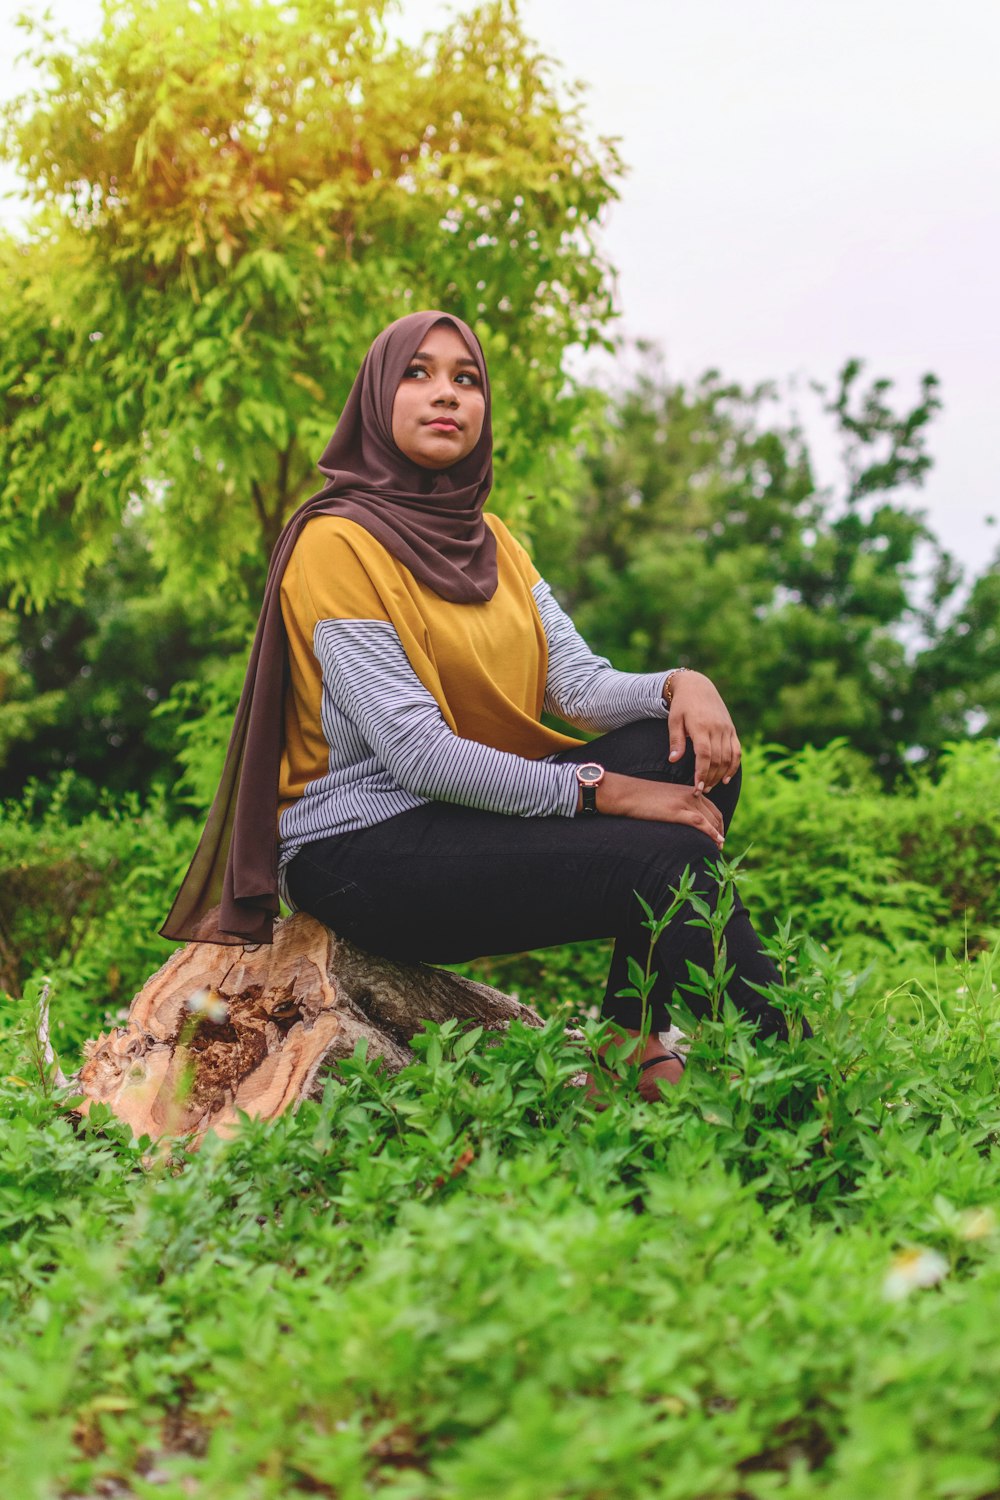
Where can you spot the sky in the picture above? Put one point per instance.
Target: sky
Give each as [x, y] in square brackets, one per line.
[806, 183]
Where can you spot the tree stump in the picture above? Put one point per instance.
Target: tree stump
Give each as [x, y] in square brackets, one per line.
[218, 1029]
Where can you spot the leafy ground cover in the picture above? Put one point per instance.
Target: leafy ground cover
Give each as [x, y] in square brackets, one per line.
[467, 1282]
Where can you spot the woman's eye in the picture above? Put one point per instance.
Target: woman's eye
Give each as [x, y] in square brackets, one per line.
[420, 372]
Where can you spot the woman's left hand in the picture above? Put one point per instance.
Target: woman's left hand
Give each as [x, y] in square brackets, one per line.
[698, 713]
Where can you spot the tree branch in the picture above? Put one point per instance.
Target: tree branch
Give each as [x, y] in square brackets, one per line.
[260, 507]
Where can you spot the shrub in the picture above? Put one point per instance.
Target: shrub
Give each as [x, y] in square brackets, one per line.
[464, 1282]
[82, 899]
[895, 882]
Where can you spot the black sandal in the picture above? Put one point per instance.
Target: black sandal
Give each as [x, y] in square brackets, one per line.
[663, 1057]
[650, 1062]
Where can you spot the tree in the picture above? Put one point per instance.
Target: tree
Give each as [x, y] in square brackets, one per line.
[957, 678]
[80, 682]
[232, 198]
[24, 711]
[700, 538]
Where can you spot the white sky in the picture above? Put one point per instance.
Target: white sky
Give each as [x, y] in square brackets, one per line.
[807, 182]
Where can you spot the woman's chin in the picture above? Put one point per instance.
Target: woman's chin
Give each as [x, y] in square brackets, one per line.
[439, 453]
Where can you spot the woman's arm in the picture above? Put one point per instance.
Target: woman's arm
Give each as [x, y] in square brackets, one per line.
[367, 673]
[659, 802]
[585, 689]
[698, 713]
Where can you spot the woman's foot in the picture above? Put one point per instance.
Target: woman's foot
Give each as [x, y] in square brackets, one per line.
[656, 1065]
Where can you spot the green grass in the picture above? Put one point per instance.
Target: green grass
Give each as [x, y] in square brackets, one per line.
[465, 1283]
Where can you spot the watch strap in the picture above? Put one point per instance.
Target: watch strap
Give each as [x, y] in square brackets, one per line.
[588, 785]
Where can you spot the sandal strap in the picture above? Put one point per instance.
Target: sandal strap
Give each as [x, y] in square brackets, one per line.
[651, 1062]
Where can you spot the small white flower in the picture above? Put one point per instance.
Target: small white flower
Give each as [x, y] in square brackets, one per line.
[977, 1224]
[208, 1004]
[913, 1268]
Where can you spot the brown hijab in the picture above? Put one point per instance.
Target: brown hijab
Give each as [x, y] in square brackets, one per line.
[432, 521]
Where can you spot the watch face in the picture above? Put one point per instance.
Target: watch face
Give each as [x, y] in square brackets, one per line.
[591, 773]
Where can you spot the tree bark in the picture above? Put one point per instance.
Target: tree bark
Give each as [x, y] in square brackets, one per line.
[218, 1030]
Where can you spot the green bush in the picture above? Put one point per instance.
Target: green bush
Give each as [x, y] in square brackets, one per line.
[199, 715]
[897, 883]
[82, 898]
[464, 1282]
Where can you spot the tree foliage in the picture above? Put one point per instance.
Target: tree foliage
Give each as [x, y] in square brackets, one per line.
[957, 680]
[80, 682]
[232, 198]
[700, 538]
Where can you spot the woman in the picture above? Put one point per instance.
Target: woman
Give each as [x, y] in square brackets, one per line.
[390, 726]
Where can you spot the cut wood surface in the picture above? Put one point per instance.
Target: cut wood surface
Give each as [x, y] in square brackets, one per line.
[219, 1029]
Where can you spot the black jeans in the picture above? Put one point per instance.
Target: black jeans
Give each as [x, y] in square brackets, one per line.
[446, 883]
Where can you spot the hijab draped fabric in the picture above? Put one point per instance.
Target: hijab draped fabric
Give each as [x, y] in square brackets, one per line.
[431, 520]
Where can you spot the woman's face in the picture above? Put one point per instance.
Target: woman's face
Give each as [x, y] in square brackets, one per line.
[439, 406]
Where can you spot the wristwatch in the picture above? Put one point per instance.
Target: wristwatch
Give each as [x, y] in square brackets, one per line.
[588, 779]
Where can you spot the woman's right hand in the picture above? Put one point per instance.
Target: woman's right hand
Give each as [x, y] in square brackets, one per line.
[659, 802]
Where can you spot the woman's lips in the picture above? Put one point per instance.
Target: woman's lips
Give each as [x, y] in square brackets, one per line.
[443, 424]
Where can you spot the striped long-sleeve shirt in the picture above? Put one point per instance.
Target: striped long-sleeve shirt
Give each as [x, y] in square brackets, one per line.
[398, 697]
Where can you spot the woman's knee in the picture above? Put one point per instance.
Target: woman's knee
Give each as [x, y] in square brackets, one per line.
[641, 748]
[726, 797]
[691, 863]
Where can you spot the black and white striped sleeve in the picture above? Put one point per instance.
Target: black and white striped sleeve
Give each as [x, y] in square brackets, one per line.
[367, 674]
[585, 689]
